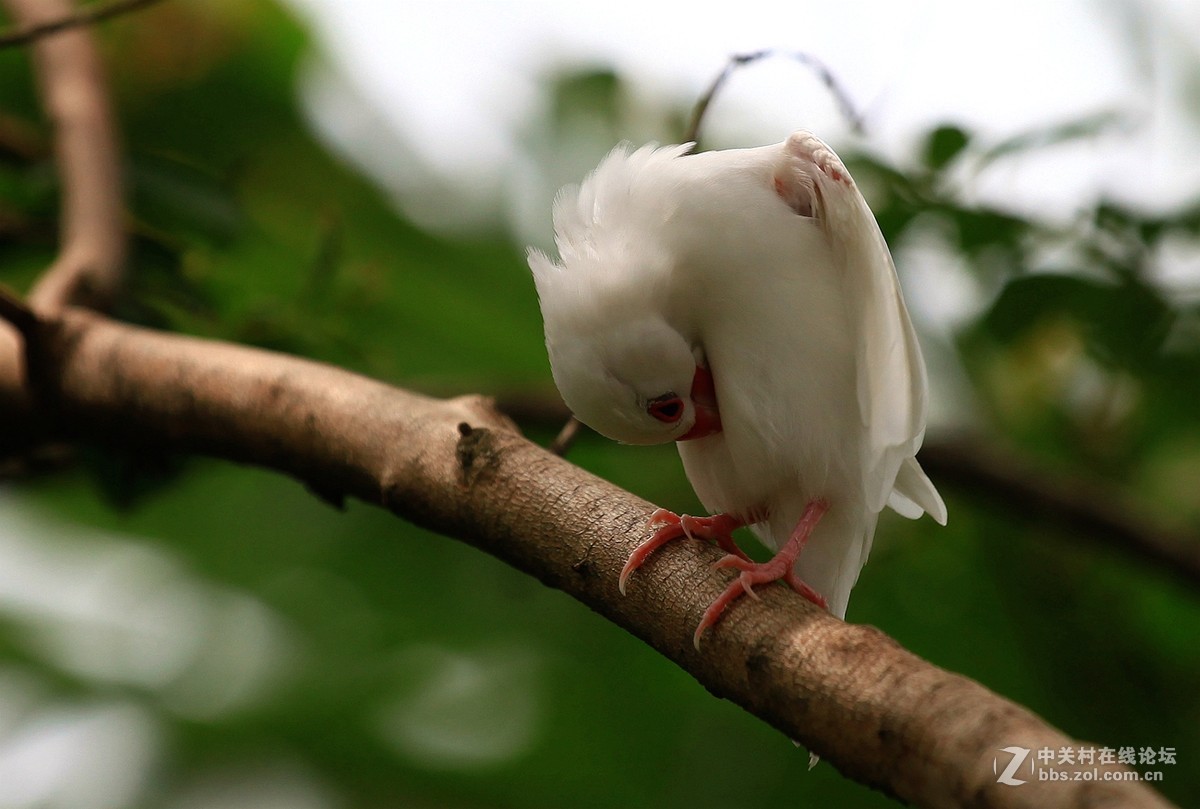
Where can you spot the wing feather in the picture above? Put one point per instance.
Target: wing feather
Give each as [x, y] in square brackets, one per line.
[891, 377]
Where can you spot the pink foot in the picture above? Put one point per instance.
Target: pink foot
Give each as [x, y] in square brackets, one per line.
[781, 567]
[718, 528]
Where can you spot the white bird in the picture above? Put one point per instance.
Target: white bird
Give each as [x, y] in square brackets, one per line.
[744, 304]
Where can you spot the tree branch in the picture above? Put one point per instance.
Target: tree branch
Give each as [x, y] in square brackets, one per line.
[876, 712]
[89, 15]
[1089, 510]
[73, 89]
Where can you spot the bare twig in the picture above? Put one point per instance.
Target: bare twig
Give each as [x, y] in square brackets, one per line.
[827, 77]
[89, 15]
[566, 436]
[1089, 509]
[74, 94]
[876, 712]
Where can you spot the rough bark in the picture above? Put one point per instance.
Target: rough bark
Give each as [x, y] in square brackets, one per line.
[873, 710]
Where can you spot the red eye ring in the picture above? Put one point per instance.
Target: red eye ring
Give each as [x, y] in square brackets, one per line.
[667, 409]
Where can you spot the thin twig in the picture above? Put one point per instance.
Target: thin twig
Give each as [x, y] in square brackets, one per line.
[566, 436]
[89, 15]
[74, 92]
[827, 77]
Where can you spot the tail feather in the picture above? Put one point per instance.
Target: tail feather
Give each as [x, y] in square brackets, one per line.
[914, 494]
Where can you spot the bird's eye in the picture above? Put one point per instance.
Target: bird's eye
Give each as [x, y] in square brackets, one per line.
[667, 408]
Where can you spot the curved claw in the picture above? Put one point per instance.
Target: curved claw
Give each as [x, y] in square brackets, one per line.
[718, 528]
[663, 517]
[713, 613]
[730, 560]
[669, 531]
[670, 526]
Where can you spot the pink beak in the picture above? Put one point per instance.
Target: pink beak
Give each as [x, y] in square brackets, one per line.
[704, 402]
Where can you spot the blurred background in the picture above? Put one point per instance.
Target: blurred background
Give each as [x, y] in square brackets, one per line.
[357, 181]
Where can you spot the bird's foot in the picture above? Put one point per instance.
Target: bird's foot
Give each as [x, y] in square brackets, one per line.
[753, 574]
[670, 526]
[782, 567]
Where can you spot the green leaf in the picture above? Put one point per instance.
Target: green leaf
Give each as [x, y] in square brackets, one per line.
[943, 145]
[1123, 323]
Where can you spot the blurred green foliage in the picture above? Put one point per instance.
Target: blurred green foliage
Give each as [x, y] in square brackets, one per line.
[263, 649]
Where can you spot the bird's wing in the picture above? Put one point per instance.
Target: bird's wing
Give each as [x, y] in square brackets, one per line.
[891, 380]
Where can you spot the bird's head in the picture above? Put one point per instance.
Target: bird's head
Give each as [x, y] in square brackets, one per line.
[636, 382]
[619, 365]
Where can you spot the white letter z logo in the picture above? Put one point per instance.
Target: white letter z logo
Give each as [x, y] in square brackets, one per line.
[1019, 755]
